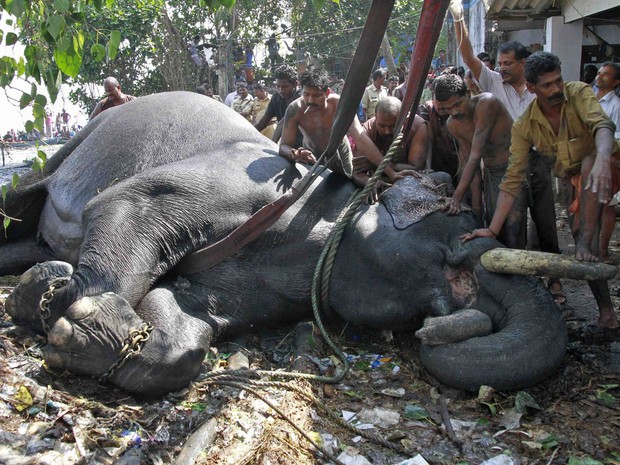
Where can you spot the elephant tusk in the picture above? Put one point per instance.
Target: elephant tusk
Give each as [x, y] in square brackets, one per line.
[533, 263]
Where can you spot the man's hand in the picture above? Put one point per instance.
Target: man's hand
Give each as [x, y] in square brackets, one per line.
[303, 156]
[456, 10]
[478, 233]
[600, 182]
[453, 206]
[414, 173]
[377, 190]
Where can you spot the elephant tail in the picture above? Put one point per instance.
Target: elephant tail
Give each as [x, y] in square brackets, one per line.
[527, 344]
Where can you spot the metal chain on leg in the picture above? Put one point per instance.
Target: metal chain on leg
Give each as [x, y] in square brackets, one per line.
[46, 300]
[133, 346]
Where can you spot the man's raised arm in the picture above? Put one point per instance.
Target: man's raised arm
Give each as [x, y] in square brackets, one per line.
[462, 39]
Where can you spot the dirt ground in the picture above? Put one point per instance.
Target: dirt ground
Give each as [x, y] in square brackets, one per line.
[573, 417]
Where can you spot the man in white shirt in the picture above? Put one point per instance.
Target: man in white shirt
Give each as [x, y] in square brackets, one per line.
[374, 93]
[508, 84]
[607, 79]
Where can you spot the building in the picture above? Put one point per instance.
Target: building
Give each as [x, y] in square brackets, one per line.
[579, 32]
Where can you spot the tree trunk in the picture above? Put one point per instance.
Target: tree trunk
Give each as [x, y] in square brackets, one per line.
[386, 51]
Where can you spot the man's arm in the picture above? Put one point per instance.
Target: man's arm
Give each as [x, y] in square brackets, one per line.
[367, 148]
[513, 180]
[462, 39]
[599, 179]
[265, 119]
[97, 109]
[418, 150]
[289, 136]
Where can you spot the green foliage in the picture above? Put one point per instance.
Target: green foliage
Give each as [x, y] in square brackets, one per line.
[604, 395]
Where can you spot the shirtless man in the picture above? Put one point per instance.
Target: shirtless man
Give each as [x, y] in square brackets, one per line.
[481, 125]
[115, 97]
[313, 113]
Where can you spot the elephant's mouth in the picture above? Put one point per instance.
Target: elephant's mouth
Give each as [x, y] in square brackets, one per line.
[464, 286]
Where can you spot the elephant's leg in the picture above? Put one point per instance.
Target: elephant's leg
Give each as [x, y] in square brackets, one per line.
[172, 344]
[25, 305]
[17, 257]
[24, 204]
[126, 247]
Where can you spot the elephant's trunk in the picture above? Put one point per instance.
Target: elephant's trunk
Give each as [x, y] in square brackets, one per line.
[527, 345]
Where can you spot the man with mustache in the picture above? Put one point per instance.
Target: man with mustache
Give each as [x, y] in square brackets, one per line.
[481, 126]
[313, 114]
[568, 126]
[508, 84]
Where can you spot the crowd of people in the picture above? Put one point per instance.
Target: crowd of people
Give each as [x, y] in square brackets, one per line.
[502, 131]
[55, 129]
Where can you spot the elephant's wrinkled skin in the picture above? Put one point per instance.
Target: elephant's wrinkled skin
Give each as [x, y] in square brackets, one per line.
[144, 185]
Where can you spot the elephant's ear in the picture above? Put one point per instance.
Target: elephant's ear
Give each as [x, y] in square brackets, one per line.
[411, 199]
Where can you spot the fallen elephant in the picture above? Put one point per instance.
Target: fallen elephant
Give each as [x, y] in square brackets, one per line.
[143, 186]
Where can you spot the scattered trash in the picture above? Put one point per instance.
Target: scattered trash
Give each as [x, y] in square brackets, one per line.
[382, 417]
[392, 392]
[417, 460]
[351, 456]
[501, 459]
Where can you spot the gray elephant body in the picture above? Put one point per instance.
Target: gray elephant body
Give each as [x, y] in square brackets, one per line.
[147, 184]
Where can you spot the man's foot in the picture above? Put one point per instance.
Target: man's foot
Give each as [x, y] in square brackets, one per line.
[610, 259]
[584, 254]
[608, 319]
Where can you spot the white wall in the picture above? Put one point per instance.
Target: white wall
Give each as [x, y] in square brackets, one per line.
[564, 40]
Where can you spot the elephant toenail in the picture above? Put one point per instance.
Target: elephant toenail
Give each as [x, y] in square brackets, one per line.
[53, 359]
[80, 309]
[61, 333]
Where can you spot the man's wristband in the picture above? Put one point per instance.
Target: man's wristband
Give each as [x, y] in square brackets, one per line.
[492, 232]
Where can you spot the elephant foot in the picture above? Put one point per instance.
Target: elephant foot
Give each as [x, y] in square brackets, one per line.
[460, 326]
[103, 336]
[42, 281]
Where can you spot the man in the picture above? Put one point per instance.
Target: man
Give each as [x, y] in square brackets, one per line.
[443, 147]
[115, 97]
[380, 130]
[509, 86]
[230, 98]
[392, 85]
[481, 126]
[259, 107]
[287, 90]
[374, 93]
[207, 90]
[440, 62]
[244, 102]
[607, 80]
[313, 113]
[486, 60]
[566, 124]
[589, 75]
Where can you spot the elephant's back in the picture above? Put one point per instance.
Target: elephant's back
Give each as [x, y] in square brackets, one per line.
[149, 132]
